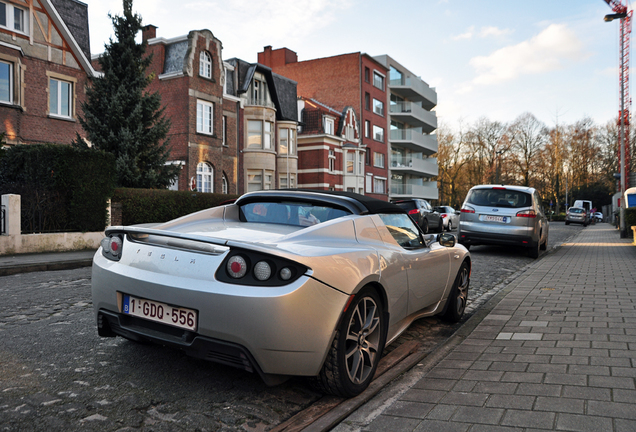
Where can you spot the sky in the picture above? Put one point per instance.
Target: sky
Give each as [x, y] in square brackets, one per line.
[497, 59]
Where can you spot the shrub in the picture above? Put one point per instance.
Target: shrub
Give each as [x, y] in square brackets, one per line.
[630, 220]
[61, 188]
[160, 205]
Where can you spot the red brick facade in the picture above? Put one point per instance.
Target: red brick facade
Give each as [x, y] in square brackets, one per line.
[339, 82]
[25, 116]
[181, 91]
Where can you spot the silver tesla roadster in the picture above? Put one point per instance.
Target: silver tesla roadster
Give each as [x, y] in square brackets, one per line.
[281, 283]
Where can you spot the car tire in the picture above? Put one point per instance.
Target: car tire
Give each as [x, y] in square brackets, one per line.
[544, 245]
[450, 226]
[458, 297]
[425, 226]
[356, 349]
[533, 252]
[567, 223]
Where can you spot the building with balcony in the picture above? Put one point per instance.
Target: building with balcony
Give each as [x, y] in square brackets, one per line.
[44, 70]
[413, 146]
[355, 81]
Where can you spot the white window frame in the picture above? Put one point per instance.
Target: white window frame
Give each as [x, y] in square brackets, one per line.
[329, 126]
[350, 161]
[261, 137]
[378, 133]
[378, 107]
[9, 85]
[205, 177]
[377, 181]
[332, 161]
[367, 128]
[379, 160]
[10, 21]
[225, 185]
[205, 114]
[55, 106]
[205, 64]
[382, 79]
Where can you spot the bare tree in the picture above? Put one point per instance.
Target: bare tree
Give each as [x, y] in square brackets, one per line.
[528, 139]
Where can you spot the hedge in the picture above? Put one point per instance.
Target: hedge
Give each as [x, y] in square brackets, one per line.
[62, 188]
[159, 205]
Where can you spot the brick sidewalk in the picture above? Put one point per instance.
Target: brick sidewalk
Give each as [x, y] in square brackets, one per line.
[557, 353]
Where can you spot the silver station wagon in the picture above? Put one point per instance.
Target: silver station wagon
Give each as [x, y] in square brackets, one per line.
[280, 283]
[504, 215]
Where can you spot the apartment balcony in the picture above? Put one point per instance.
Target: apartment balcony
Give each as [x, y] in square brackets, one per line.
[426, 191]
[414, 89]
[414, 115]
[259, 102]
[414, 140]
[414, 166]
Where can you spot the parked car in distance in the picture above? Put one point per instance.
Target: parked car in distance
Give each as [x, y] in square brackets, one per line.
[504, 215]
[598, 216]
[450, 216]
[280, 283]
[423, 214]
[584, 204]
[577, 215]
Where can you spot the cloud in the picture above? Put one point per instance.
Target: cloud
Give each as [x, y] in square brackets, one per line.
[550, 50]
[493, 31]
[466, 35]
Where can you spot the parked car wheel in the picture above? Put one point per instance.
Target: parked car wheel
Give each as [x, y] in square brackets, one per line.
[356, 349]
[450, 226]
[458, 296]
[544, 245]
[533, 252]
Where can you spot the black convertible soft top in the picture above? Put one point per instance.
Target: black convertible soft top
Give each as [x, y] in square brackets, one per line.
[356, 203]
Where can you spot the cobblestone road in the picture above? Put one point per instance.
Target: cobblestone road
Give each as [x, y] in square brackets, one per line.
[56, 374]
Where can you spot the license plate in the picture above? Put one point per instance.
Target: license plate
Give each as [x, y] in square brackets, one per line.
[490, 218]
[160, 312]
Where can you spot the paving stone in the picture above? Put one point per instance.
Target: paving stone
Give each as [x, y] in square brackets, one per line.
[520, 418]
[482, 415]
[539, 389]
[495, 388]
[588, 393]
[522, 377]
[461, 398]
[611, 409]
[552, 378]
[439, 426]
[559, 404]
[409, 409]
[435, 384]
[483, 375]
[580, 423]
[622, 425]
[611, 382]
[510, 401]
[442, 412]
[424, 396]
[390, 424]
[628, 396]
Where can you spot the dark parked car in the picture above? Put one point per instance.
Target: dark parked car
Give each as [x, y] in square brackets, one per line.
[423, 214]
[577, 215]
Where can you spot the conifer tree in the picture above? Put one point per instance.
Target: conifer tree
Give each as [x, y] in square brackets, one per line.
[121, 117]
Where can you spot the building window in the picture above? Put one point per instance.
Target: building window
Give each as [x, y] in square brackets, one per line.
[205, 64]
[378, 160]
[286, 141]
[378, 80]
[367, 101]
[259, 180]
[395, 76]
[6, 81]
[367, 74]
[205, 113]
[259, 92]
[60, 98]
[378, 107]
[14, 18]
[367, 156]
[259, 134]
[225, 185]
[228, 84]
[205, 174]
[379, 185]
[332, 161]
[350, 162]
[367, 129]
[378, 133]
[360, 163]
[224, 125]
[329, 126]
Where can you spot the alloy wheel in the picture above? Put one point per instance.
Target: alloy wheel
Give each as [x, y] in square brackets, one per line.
[363, 340]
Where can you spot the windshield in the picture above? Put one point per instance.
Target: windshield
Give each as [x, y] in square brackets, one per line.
[499, 198]
[290, 213]
[576, 210]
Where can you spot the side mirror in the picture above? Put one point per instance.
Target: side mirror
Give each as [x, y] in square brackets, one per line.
[447, 240]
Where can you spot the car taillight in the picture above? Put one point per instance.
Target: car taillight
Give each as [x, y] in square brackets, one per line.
[443, 215]
[238, 268]
[112, 247]
[467, 210]
[527, 214]
[414, 211]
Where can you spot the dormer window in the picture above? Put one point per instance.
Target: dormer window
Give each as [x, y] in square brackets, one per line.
[329, 126]
[205, 64]
[13, 18]
[259, 92]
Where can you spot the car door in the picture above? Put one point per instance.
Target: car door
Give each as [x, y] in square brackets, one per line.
[427, 266]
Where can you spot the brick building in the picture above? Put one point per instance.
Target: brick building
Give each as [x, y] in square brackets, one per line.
[44, 69]
[330, 155]
[353, 80]
[190, 77]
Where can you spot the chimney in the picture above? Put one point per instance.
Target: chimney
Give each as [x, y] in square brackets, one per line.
[148, 32]
[275, 58]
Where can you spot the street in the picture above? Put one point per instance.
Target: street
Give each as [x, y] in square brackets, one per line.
[57, 374]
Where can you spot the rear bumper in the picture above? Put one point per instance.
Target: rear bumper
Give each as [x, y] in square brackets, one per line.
[519, 237]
